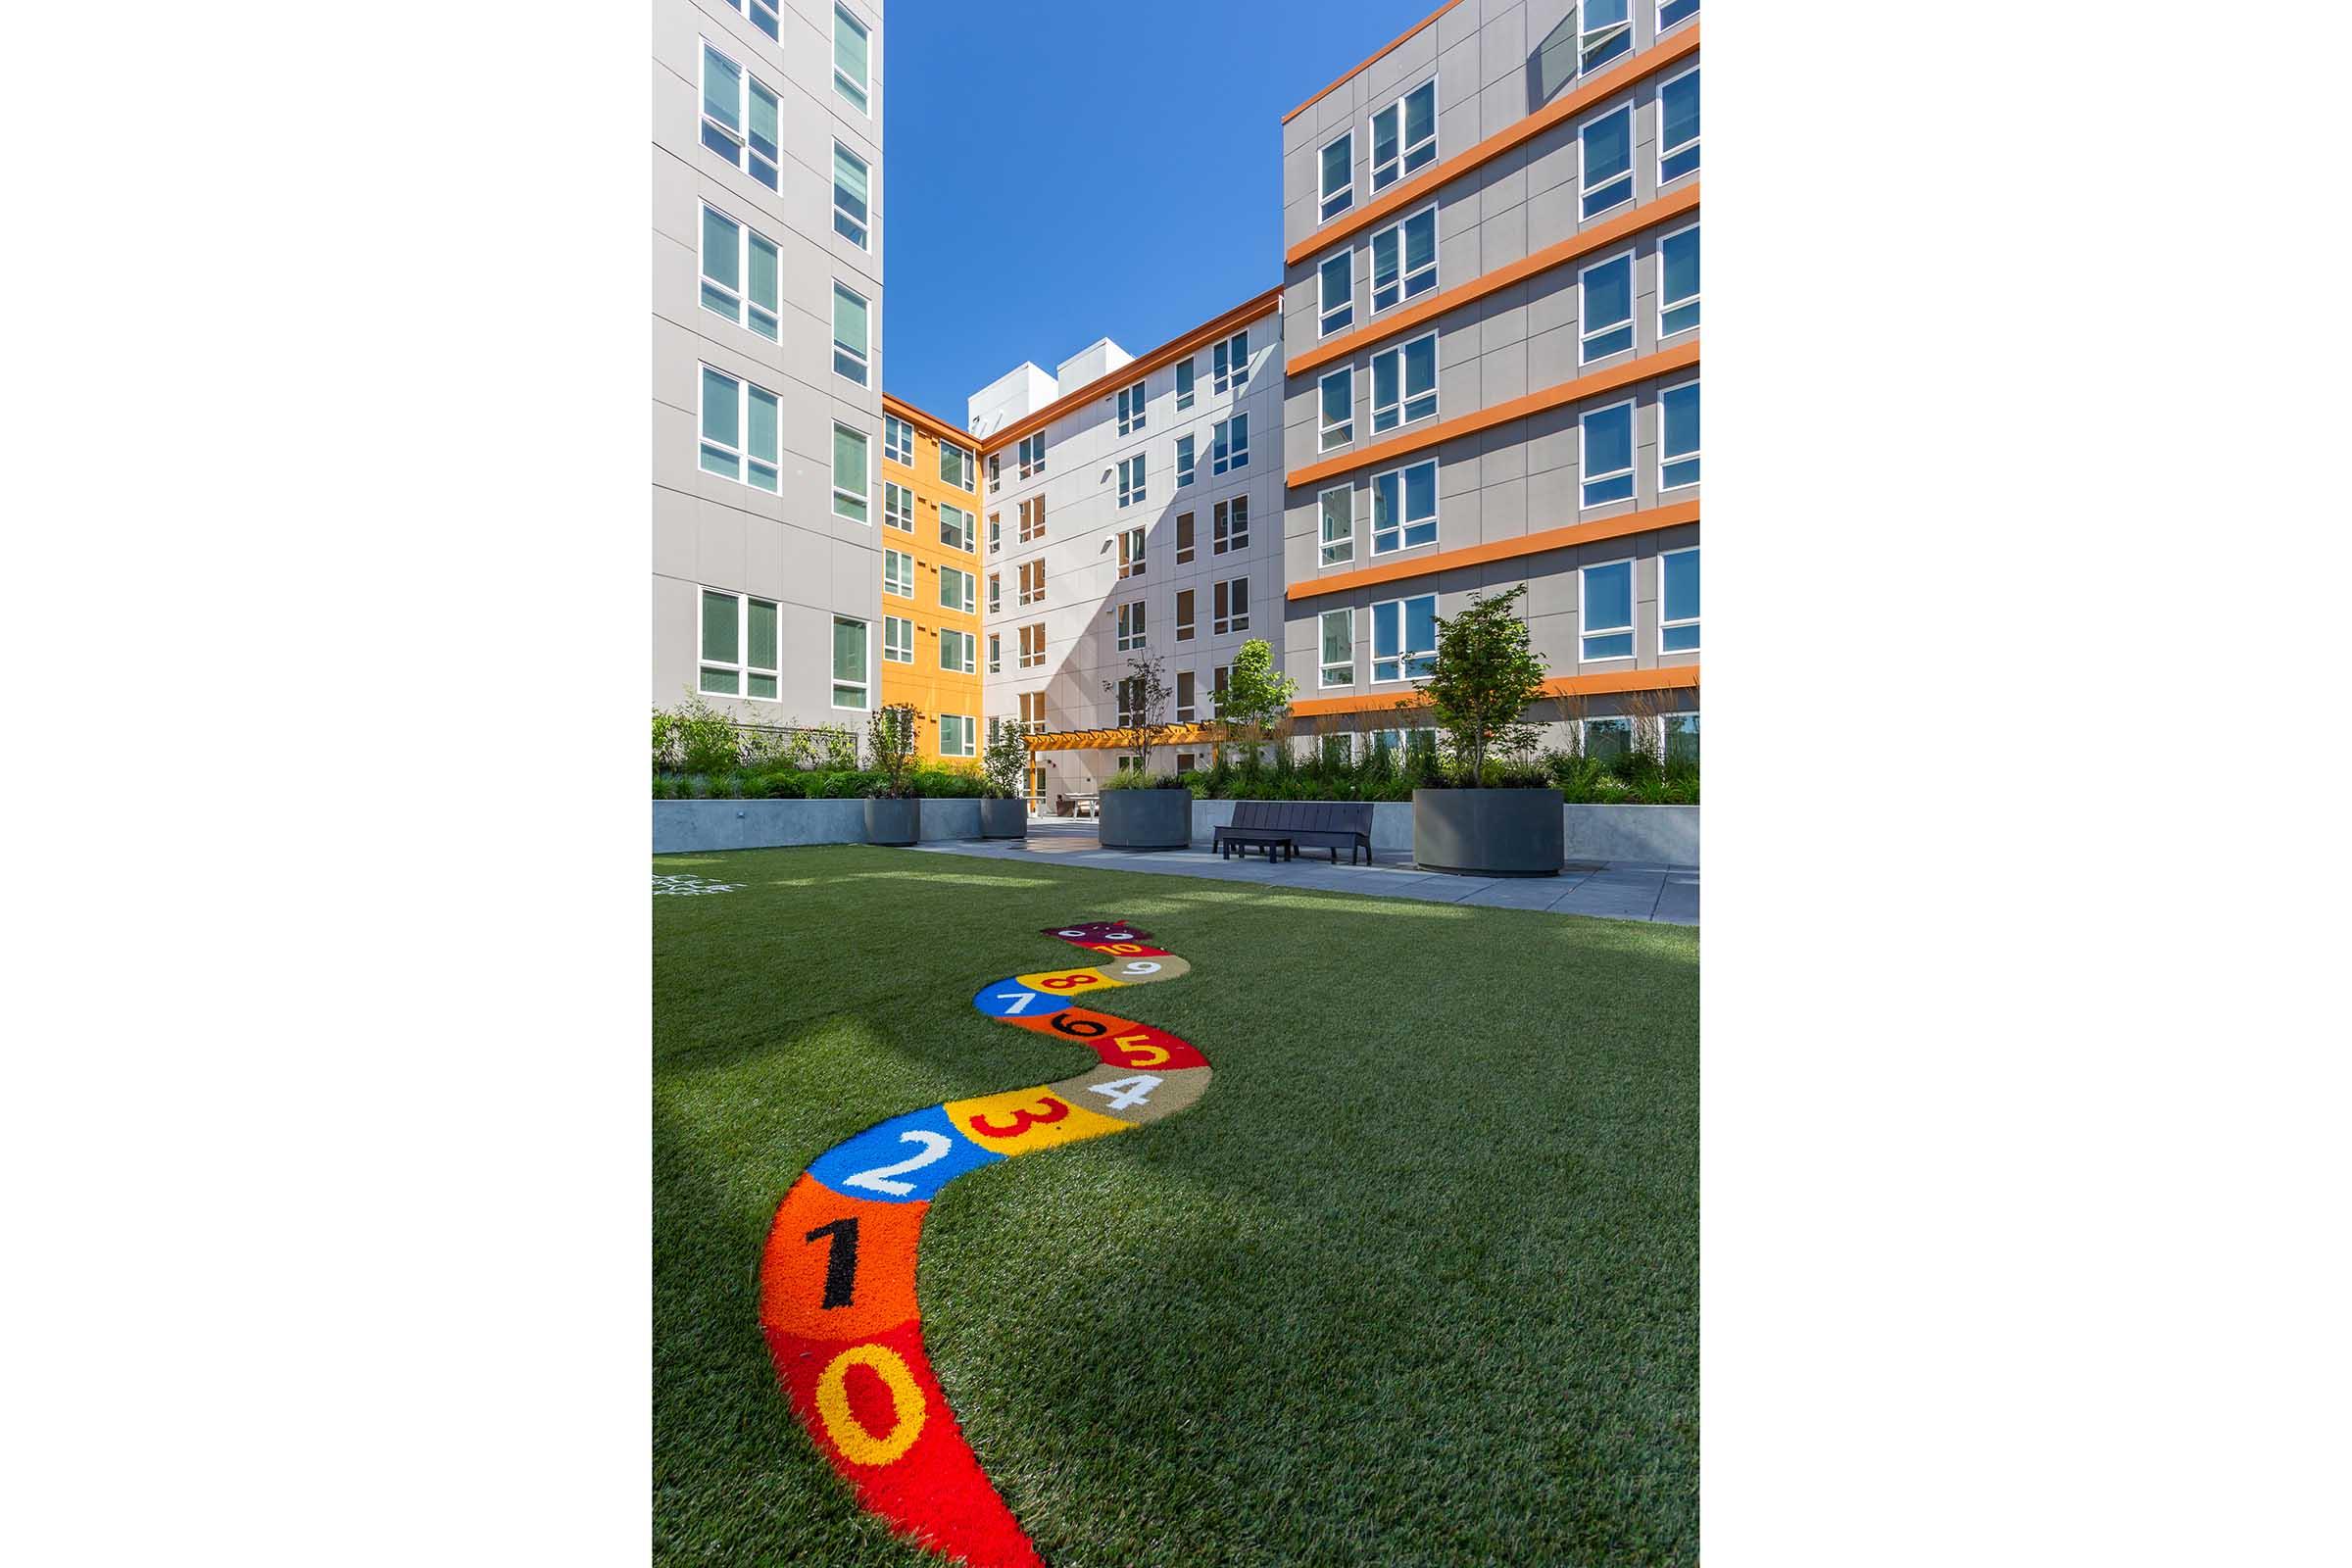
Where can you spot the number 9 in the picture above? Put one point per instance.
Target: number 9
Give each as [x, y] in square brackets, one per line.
[1139, 967]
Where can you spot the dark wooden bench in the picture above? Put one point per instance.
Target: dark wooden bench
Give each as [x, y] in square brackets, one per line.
[1317, 824]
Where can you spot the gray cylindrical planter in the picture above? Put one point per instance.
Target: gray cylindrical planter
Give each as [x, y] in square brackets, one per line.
[889, 821]
[1489, 832]
[1147, 820]
[1004, 818]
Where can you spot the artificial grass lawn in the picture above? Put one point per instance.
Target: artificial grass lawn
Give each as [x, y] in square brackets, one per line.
[1415, 1283]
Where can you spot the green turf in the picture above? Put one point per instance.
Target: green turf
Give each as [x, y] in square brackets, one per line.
[1415, 1283]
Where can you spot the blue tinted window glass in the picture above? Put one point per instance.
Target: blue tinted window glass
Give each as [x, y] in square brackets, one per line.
[1384, 630]
[1679, 408]
[1608, 147]
[1678, 111]
[1610, 595]
[1678, 259]
[1680, 595]
[1420, 365]
[1421, 490]
[1421, 621]
[1610, 440]
[1609, 294]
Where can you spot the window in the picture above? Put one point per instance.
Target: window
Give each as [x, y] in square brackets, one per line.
[1230, 604]
[1401, 741]
[1131, 626]
[1033, 713]
[1338, 401]
[1404, 135]
[1183, 386]
[956, 735]
[1033, 645]
[739, 117]
[739, 430]
[849, 334]
[1229, 526]
[852, 486]
[1131, 712]
[898, 507]
[1605, 617]
[1337, 505]
[1130, 552]
[1608, 737]
[1678, 602]
[1335, 293]
[1183, 460]
[1188, 705]
[1184, 615]
[1405, 384]
[996, 592]
[763, 16]
[1671, 12]
[898, 573]
[1338, 163]
[1677, 435]
[1131, 408]
[1682, 737]
[1678, 125]
[898, 440]
[1404, 637]
[1184, 537]
[994, 477]
[1404, 259]
[1606, 145]
[956, 590]
[1185, 762]
[996, 654]
[1338, 648]
[1606, 308]
[849, 195]
[739, 646]
[1033, 455]
[956, 466]
[739, 274]
[1131, 479]
[1219, 677]
[996, 532]
[1229, 444]
[849, 662]
[1229, 363]
[849, 57]
[1032, 582]
[954, 527]
[1608, 32]
[898, 640]
[1606, 437]
[1677, 280]
[1404, 508]
[1032, 518]
[955, 651]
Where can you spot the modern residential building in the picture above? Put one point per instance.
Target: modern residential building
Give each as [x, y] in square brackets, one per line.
[931, 578]
[767, 356]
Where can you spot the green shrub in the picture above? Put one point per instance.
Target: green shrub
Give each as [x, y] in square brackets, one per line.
[781, 784]
[949, 782]
[665, 786]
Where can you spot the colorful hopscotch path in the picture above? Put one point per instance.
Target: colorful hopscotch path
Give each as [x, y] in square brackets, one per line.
[837, 1278]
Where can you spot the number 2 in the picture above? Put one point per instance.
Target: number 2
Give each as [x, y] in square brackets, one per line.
[933, 1147]
[1051, 1111]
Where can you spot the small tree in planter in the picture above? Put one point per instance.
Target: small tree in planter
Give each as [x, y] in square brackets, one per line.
[893, 806]
[1004, 811]
[1142, 697]
[1480, 687]
[1141, 812]
[1255, 702]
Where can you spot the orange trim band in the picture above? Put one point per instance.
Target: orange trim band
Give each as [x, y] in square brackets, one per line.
[1533, 543]
[1377, 55]
[1673, 677]
[930, 424]
[1634, 70]
[1552, 397]
[1167, 352]
[1664, 209]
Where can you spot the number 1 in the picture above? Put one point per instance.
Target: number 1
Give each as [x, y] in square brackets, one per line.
[841, 1263]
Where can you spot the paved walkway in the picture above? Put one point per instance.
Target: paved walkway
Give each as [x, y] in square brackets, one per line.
[1616, 891]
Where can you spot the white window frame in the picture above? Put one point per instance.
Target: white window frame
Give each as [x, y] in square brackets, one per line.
[741, 667]
[1131, 481]
[1584, 477]
[1405, 522]
[900, 629]
[902, 519]
[1323, 667]
[747, 466]
[1131, 408]
[1132, 560]
[744, 305]
[971, 735]
[1032, 455]
[1586, 332]
[866, 496]
[1226, 455]
[1585, 190]
[1411, 282]
[1666, 153]
[995, 593]
[836, 680]
[994, 477]
[763, 16]
[1405, 653]
[1330, 435]
[762, 166]
[1132, 627]
[897, 565]
[1620, 33]
[1188, 372]
[1665, 625]
[1229, 363]
[1332, 552]
[1667, 460]
[1401, 410]
[1334, 316]
[970, 530]
[1185, 623]
[1188, 459]
[1330, 204]
[967, 467]
[859, 354]
[858, 95]
[1027, 659]
[1664, 4]
[1586, 631]
[970, 587]
[1225, 622]
[1028, 531]
[1024, 593]
[1409, 159]
[967, 641]
[995, 652]
[897, 451]
[865, 237]
[1222, 529]
[1667, 307]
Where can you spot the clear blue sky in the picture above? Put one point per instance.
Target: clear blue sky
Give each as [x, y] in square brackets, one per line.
[1175, 105]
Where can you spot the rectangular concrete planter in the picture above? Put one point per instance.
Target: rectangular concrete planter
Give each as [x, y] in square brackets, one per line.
[1660, 834]
[1004, 818]
[1147, 820]
[687, 827]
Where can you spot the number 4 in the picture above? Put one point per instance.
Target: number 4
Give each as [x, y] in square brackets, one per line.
[1125, 1091]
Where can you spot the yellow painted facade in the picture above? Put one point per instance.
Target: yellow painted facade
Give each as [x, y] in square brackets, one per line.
[914, 492]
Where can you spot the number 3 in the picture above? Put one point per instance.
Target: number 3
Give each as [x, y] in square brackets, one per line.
[1051, 1111]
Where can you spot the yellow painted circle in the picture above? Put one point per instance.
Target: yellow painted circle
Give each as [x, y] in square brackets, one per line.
[857, 1444]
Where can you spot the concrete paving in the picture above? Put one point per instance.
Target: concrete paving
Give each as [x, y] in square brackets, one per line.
[1617, 890]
